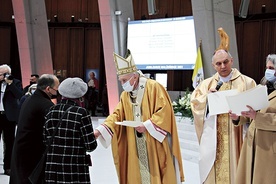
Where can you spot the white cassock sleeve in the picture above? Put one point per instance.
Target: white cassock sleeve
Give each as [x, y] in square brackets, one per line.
[156, 132]
[106, 135]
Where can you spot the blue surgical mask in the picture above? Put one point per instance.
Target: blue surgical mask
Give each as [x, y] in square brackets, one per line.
[127, 87]
[270, 75]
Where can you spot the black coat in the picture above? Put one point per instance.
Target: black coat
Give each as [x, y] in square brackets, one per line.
[11, 99]
[66, 159]
[28, 145]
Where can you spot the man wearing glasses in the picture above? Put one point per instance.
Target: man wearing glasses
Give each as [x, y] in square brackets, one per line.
[220, 165]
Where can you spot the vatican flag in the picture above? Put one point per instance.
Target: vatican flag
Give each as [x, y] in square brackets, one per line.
[198, 75]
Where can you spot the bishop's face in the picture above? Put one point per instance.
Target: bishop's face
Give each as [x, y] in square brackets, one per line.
[128, 81]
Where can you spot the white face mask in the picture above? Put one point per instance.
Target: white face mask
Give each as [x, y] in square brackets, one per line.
[269, 75]
[127, 87]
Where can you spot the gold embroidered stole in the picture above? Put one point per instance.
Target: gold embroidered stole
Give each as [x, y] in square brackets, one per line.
[222, 162]
[140, 138]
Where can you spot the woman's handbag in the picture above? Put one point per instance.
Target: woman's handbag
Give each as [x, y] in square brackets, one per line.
[37, 175]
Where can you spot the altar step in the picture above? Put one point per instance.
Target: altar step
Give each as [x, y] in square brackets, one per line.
[187, 139]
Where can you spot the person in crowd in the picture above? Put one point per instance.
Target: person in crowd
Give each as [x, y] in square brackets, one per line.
[93, 92]
[29, 146]
[33, 80]
[257, 160]
[146, 148]
[105, 101]
[30, 91]
[66, 158]
[218, 166]
[11, 92]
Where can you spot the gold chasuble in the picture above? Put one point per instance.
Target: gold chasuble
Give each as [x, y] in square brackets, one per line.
[228, 138]
[141, 158]
[222, 166]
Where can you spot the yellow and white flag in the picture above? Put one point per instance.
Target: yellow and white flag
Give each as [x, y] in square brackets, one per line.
[198, 74]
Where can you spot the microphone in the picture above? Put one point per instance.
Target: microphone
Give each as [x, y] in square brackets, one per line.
[219, 84]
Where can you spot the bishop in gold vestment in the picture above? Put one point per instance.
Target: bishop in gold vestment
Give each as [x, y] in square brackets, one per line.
[148, 153]
[220, 165]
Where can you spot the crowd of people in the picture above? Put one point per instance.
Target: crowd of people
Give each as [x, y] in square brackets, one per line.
[141, 129]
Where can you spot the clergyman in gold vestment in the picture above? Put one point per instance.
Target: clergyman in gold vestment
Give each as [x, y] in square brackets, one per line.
[217, 133]
[142, 130]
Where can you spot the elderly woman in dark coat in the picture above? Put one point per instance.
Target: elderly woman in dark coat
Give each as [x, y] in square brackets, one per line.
[66, 158]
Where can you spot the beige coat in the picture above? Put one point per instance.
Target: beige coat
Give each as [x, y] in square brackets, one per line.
[257, 164]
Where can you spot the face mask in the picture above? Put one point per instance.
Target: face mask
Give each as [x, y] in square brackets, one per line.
[269, 75]
[127, 87]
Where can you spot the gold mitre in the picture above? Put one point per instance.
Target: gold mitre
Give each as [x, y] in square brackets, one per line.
[124, 65]
[224, 40]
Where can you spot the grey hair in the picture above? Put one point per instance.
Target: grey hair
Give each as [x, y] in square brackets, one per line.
[221, 50]
[5, 66]
[272, 58]
[46, 80]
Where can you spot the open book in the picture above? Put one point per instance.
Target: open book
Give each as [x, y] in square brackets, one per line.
[222, 101]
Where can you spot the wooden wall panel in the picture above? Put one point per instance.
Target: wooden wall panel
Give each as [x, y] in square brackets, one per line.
[255, 6]
[6, 11]
[85, 10]
[93, 46]
[268, 41]
[167, 8]
[271, 39]
[48, 5]
[162, 9]
[67, 8]
[170, 8]
[255, 38]
[92, 11]
[5, 43]
[250, 60]
[236, 6]
[75, 52]
[176, 8]
[179, 80]
[239, 37]
[60, 48]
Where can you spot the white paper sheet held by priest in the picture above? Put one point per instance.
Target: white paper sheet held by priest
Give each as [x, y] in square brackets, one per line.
[130, 123]
[217, 103]
[256, 97]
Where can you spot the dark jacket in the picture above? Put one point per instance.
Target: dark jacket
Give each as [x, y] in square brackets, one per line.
[28, 146]
[11, 99]
[66, 159]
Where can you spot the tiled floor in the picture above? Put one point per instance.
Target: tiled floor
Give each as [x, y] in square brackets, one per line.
[103, 169]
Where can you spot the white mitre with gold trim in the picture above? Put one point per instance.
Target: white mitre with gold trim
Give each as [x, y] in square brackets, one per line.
[124, 65]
